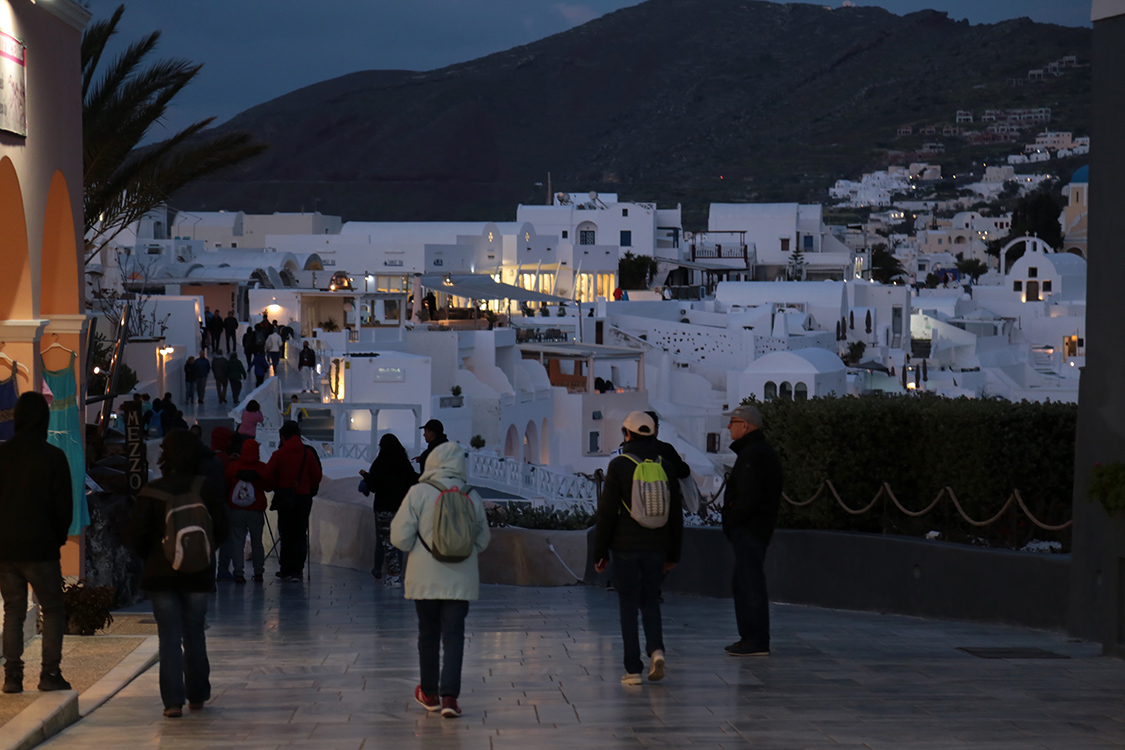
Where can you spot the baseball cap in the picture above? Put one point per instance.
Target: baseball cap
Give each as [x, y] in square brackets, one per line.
[639, 423]
[748, 414]
[434, 425]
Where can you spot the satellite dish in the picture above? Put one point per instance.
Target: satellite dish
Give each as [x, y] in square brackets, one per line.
[593, 195]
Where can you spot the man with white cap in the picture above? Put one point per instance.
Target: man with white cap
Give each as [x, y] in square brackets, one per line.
[750, 506]
[641, 554]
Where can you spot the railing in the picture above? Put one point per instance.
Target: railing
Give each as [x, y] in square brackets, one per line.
[329, 449]
[530, 481]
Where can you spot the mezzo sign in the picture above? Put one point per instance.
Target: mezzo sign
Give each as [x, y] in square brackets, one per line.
[136, 454]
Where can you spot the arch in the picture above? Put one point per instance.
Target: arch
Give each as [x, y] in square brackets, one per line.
[59, 287]
[769, 393]
[1031, 243]
[530, 443]
[511, 442]
[288, 277]
[786, 390]
[16, 292]
[545, 449]
[800, 392]
[960, 240]
[1077, 251]
[586, 239]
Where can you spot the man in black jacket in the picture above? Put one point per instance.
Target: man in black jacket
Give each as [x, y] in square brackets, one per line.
[36, 505]
[641, 556]
[750, 508]
[433, 432]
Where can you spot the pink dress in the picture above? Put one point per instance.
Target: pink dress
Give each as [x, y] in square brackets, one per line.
[250, 422]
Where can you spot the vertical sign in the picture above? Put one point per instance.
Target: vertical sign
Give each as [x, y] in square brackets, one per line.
[13, 85]
[136, 454]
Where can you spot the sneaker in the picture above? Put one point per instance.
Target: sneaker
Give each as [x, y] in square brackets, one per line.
[13, 680]
[173, 712]
[742, 648]
[291, 579]
[428, 702]
[195, 706]
[239, 579]
[258, 578]
[656, 668]
[449, 707]
[52, 681]
[630, 679]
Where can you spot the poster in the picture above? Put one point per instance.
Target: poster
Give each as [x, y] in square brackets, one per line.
[13, 82]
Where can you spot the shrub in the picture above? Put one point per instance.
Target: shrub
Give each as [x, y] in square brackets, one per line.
[528, 517]
[87, 608]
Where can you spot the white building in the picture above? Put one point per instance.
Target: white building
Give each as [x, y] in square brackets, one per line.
[776, 230]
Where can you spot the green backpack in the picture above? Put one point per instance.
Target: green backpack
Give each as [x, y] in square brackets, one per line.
[652, 495]
[455, 524]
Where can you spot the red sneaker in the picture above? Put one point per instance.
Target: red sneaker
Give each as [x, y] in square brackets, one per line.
[428, 702]
[449, 707]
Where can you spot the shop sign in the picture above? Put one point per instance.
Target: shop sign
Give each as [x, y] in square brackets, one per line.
[13, 85]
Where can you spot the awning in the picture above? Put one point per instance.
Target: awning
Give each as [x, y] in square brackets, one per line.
[479, 286]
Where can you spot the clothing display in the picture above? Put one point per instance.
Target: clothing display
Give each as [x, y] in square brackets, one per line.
[65, 431]
[9, 392]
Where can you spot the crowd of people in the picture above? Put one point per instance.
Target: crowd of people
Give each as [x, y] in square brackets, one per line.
[263, 347]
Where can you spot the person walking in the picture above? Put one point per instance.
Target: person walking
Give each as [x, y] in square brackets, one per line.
[189, 380]
[390, 477]
[230, 327]
[220, 368]
[179, 596]
[272, 348]
[250, 344]
[236, 373]
[641, 555]
[433, 432]
[261, 368]
[202, 371]
[215, 329]
[294, 472]
[246, 503]
[306, 366]
[750, 506]
[36, 506]
[441, 591]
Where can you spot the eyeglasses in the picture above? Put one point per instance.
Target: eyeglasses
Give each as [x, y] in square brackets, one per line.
[738, 421]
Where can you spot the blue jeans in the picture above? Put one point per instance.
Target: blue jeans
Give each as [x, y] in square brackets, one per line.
[636, 577]
[45, 579]
[441, 623]
[184, 670]
[751, 600]
[241, 522]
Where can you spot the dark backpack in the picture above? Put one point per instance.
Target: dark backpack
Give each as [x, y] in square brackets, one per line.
[189, 537]
[455, 522]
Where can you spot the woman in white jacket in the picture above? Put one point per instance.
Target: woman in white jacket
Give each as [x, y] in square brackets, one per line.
[441, 591]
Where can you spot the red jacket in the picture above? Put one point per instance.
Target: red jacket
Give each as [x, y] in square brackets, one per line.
[286, 461]
[248, 467]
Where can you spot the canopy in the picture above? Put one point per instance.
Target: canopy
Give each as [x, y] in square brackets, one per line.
[479, 286]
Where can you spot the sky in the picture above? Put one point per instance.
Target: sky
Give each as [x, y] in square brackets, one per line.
[254, 51]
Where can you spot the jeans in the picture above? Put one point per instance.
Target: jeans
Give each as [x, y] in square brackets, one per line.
[45, 579]
[184, 670]
[292, 531]
[384, 550]
[200, 386]
[441, 624]
[751, 600]
[636, 577]
[274, 358]
[242, 521]
[236, 390]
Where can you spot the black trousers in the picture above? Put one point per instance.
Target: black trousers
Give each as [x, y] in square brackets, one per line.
[292, 530]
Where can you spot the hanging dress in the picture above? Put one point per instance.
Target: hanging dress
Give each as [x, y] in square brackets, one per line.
[9, 392]
[65, 432]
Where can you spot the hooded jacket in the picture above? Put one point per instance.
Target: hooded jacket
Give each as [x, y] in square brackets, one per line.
[426, 578]
[248, 467]
[285, 464]
[391, 475]
[36, 503]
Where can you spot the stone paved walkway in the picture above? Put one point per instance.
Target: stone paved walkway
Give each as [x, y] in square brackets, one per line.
[332, 664]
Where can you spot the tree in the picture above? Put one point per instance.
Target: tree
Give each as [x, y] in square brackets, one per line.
[635, 271]
[795, 271]
[1035, 215]
[885, 267]
[120, 105]
[972, 268]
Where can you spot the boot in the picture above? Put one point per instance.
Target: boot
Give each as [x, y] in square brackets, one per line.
[13, 679]
[52, 681]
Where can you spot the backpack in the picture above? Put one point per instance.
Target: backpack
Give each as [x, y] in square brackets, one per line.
[454, 531]
[188, 534]
[243, 495]
[652, 495]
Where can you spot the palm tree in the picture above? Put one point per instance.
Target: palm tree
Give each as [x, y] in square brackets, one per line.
[119, 107]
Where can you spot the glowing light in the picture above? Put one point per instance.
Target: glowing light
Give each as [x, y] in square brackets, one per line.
[97, 371]
[273, 309]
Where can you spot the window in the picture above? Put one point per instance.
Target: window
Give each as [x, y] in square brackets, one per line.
[624, 212]
[1017, 286]
[1046, 285]
[626, 238]
[586, 237]
[565, 234]
[801, 392]
[786, 391]
[784, 244]
[808, 240]
[712, 442]
[595, 439]
[769, 393]
[1032, 272]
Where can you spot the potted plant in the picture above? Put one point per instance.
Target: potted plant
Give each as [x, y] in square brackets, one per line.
[87, 607]
[476, 442]
[1107, 485]
[454, 400]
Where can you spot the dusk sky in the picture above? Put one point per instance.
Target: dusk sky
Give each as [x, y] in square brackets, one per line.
[253, 51]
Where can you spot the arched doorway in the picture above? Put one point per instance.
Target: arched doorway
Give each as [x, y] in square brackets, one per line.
[530, 443]
[512, 442]
[15, 284]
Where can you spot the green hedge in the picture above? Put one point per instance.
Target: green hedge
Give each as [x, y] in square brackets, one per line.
[982, 448]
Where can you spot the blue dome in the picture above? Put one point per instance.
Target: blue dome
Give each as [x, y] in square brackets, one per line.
[1082, 174]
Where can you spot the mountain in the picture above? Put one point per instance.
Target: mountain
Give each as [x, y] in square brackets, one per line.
[677, 101]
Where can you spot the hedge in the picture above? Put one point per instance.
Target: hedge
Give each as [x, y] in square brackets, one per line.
[982, 448]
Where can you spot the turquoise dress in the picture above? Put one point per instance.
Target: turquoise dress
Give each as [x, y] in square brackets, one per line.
[65, 432]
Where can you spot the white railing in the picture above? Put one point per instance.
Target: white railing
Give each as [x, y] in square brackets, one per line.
[535, 483]
[329, 449]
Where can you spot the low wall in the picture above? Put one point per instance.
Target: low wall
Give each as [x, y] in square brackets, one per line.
[523, 557]
[900, 575]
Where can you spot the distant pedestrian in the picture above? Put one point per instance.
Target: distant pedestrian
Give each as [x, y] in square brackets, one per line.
[189, 380]
[286, 333]
[236, 374]
[220, 368]
[36, 505]
[251, 417]
[441, 590]
[750, 507]
[273, 348]
[260, 367]
[178, 590]
[306, 366]
[215, 329]
[295, 411]
[230, 327]
[641, 555]
[246, 502]
[250, 345]
[390, 477]
[202, 372]
[294, 472]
